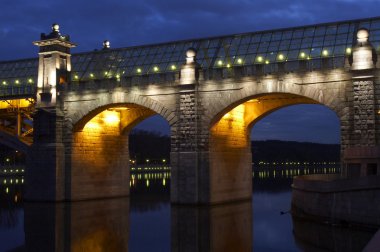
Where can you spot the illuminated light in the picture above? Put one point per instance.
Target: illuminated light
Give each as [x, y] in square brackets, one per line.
[163, 160]
[173, 67]
[138, 70]
[254, 100]
[348, 50]
[118, 76]
[325, 53]
[7, 190]
[8, 161]
[76, 77]
[92, 75]
[5, 182]
[155, 69]
[147, 160]
[4, 83]
[378, 112]
[267, 62]
[30, 80]
[260, 59]
[302, 55]
[220, 63]
[111, 117]
[17, 81]
[163, 182]
[228, 65]
[55, 27]
[147, 183]
[105, 73]
[106, 44]
[240, 61]
[281, 57]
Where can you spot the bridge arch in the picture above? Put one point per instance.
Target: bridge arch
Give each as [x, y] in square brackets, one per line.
[99, 154]
[230, 155]
[317, 93]
[79, 115]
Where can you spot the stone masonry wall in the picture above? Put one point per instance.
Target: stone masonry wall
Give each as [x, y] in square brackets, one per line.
[99, 159]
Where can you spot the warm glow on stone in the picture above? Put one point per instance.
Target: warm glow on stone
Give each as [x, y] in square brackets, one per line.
[111, 117]
[92, 126]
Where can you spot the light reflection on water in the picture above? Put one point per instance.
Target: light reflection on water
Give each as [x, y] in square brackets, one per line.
[147, 222]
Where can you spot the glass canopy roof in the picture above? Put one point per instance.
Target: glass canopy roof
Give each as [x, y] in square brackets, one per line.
[264, 47]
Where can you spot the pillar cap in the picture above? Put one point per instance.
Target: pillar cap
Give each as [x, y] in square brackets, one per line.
[54, 38]
[106, 44]
[363, 55]
[362, 35]
[191, 55]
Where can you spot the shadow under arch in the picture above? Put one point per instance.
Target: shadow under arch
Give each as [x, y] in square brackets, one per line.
[230, 153]
[99, 155]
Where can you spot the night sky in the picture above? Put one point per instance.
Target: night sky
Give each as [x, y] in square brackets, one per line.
[127, 23]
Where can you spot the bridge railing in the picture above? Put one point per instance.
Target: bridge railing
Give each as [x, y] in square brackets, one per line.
[16, 91]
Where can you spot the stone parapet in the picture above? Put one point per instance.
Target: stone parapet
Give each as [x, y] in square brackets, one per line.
[355, 201]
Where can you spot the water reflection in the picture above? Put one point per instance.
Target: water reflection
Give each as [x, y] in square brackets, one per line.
[219, 228]
[101, 225]
[10, 202]
[147, 222]
[314, 236]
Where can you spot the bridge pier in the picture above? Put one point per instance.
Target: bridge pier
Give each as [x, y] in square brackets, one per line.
[45, 176]
[351, 197]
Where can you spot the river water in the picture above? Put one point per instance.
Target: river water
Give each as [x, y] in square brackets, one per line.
[146, 221]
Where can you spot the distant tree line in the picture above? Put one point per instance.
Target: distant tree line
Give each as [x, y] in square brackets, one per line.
[283, 151]
[155, 146]
[147, 145]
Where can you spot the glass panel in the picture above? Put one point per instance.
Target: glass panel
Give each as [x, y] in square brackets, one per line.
[287, 35]
[298, 34]
[319, 31]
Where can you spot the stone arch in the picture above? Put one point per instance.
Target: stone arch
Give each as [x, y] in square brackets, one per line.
[140, 113]
[99, 154]
[230, 154]
[329, 99]
[91, 108]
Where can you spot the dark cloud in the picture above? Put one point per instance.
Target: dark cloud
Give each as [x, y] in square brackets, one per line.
[127, 23]
[149, 21]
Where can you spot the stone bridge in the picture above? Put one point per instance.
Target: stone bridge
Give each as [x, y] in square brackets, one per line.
[210, 91]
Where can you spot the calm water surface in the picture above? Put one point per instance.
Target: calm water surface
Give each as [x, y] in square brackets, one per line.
[147, 222]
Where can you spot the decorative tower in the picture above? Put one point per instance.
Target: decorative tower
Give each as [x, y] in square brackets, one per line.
[54, 65]
[45, 173]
